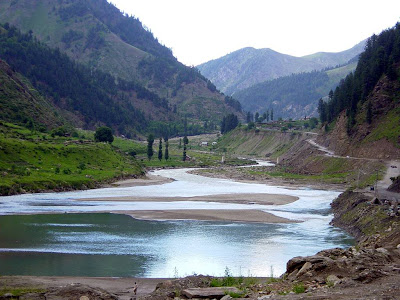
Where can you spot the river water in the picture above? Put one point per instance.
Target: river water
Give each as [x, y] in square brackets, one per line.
[55, 242]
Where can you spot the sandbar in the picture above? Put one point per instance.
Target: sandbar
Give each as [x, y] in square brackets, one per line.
[260, 198]
[234, 215]
[148, 180]
[231, 215]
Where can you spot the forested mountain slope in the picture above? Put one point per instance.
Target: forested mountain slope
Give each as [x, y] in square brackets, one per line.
[293, 96]
[248, 66]
[363, 114]
[87, 97]
[96, 33]
[21, 103]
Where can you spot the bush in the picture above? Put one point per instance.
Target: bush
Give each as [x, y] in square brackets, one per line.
[104, 134]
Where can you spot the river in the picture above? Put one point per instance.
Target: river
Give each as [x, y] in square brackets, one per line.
[55, 242]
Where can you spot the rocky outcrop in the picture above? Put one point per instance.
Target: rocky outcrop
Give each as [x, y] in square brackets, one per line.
[376, 255]
[337, 266]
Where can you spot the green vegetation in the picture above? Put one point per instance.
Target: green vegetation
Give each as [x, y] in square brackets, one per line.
[229, 123]
[34, 161]
[115, 73]
[296, 90]
[104, 134]
[388, 127]
[299, 288]
[20, 291]
[74, 87]
[242, 283]
[380, 57]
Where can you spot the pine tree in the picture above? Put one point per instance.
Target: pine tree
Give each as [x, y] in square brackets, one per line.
[185, 140]
[150, 141]
[160, 150]
[184, 152]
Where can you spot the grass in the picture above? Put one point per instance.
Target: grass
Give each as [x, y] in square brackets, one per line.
[389, 129]
[31, 161]
[19, 291]
[299, 288]
[324, 177]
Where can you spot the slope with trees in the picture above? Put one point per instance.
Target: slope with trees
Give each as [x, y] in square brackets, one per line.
[293, 96]
[363, 112]
[97, 34]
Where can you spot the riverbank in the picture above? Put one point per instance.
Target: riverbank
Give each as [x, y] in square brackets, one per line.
[270, 176]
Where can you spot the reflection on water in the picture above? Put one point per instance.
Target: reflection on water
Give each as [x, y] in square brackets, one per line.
[115, 245]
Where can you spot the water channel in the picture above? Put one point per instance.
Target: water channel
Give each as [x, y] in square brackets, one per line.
[57, 240]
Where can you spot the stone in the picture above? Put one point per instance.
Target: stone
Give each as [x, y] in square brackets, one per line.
[333, 279]
[383, 251]
[212, 292]
[226, 297]
[304, 269]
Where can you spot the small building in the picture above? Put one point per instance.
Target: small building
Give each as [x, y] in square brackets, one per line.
[204, 144]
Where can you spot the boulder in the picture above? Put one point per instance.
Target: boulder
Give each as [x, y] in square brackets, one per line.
[212, 292]
[333, 280]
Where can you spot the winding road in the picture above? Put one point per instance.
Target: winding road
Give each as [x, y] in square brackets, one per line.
[393, 170]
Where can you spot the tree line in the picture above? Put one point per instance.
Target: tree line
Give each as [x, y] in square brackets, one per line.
[381, 56]
[72, 86]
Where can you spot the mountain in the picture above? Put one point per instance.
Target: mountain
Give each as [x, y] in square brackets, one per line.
[96, 34]
[293, 96]
[21, 103]
[248, 66]
[362, 118]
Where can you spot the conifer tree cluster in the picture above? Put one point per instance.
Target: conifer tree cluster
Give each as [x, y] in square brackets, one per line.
[229, 123]
[380, 57]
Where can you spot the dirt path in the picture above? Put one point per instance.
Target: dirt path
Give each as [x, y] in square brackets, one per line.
[393, 170]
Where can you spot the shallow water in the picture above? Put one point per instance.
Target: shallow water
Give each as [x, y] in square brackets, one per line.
[116, 245]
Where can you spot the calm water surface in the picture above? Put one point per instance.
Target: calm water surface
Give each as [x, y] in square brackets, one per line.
[106, 244]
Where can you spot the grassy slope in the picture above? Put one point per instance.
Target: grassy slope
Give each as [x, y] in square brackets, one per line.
[20, 102]
[33, 162]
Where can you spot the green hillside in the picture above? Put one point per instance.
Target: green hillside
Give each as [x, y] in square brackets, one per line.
[21, 103]
[97, 34]
[293, 96]
[362, 114]
[32, 161]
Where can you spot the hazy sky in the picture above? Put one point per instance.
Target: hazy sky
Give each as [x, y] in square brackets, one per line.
[201, 30]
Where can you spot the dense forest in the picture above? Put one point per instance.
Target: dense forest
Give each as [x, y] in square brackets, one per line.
[137, 82]
[381, 56]
[92, 94]
[289, 96]
[296, 95]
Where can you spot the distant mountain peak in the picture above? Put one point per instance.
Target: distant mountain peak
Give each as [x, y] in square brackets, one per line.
[248, 66]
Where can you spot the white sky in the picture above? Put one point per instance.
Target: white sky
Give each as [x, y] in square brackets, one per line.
[200, 30]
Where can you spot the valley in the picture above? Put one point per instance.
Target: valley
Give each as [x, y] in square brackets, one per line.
[257, 175]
